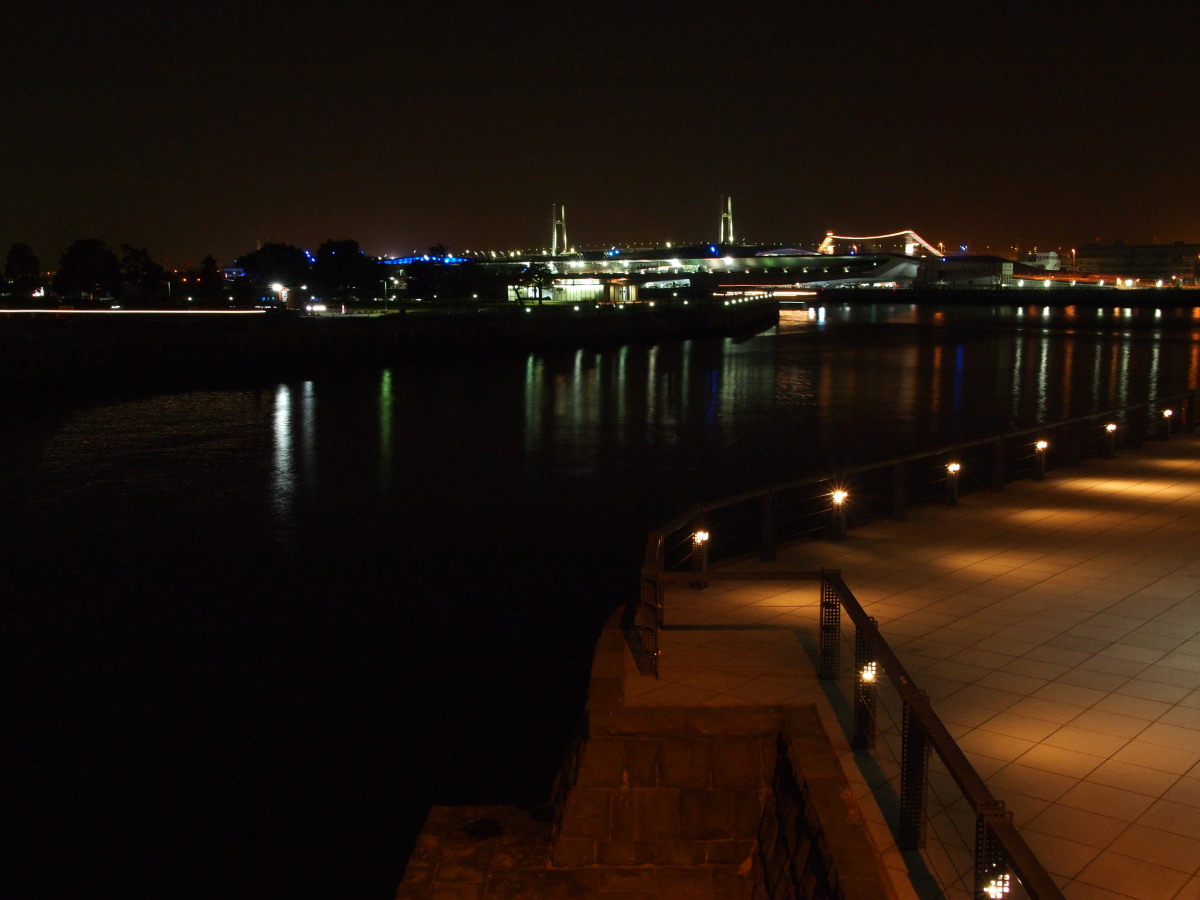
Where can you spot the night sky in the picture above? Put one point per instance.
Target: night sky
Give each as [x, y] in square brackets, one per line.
[191, 129]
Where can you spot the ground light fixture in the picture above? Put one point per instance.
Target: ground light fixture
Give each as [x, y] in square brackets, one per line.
[1111, 429]
[699, 557]
[839, 513]
[952, 470]
[1040, 449]
[998, 888]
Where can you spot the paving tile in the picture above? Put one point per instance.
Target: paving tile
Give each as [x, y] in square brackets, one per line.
[1138, 779]
[1163, 848]
[1152, 756]
[1106, 800]
[1130, 877]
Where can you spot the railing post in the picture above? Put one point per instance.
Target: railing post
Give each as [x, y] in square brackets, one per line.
[992, 878]
[1076, 443]
[864, 692]
[999, 460]
[767, 547]
[899, 491]
[831, 626]
[914, 774]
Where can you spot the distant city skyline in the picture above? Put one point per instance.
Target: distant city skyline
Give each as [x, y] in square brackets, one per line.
[194, 130]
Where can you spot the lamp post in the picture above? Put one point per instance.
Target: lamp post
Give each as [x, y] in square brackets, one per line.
[1111, 429]
[1167, 413]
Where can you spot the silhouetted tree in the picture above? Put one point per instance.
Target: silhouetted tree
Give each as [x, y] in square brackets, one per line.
[342, 270]
[538, 277]
[275, 264]
[22, 272]
[143, 279]
[88, 268]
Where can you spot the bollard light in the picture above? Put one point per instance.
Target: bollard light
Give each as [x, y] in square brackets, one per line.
[1040, 452]
[1111, 428]
[998, 888]
[952, 470]
[699, 558]
[839, 513]
[1167, 413]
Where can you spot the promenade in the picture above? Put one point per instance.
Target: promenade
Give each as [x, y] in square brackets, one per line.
[1055, 626]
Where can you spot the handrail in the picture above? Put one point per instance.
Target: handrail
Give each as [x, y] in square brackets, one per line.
[644, 619]
[1024, 862]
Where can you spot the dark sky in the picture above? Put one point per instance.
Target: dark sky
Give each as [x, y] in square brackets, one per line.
[191, 129]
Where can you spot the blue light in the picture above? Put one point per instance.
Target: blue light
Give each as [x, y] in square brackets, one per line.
[712, 249]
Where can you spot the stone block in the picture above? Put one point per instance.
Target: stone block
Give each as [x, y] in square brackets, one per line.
[622, 816]
[601, 763]
[586, 813]
[672, 853]
[684, 763]
[737, 762]
[461, 891]
[571, 852]
[641, 762]
[747, 813]
[728, 853]
[618, 853]
[624, 879]
[656, 814]
[706, 815]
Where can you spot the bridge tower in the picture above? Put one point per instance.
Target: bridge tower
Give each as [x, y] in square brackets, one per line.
[558, 240]
[726, 220]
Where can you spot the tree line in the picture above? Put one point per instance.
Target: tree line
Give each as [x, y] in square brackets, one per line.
[89, 272]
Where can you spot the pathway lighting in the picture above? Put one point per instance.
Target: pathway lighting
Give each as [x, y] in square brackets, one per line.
[699, 557]
[839, 513]
[998, 888]
[952, 470]
[1167, 413]
[1040, 456]
[1111, 428]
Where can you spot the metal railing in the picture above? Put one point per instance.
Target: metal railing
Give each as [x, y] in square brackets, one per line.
[826, 506]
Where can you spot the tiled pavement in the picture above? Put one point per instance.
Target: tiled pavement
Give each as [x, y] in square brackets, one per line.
[1055, 626]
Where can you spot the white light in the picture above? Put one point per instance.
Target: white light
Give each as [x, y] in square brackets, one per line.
[277, 287]
[839, 497]
[868, 672]
[998, 887]
[953, 468]
[1041, 445]
[700, 537]
[1167, 413]
[1110, 427]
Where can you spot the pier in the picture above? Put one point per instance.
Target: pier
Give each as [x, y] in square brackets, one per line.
[1055, 629]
